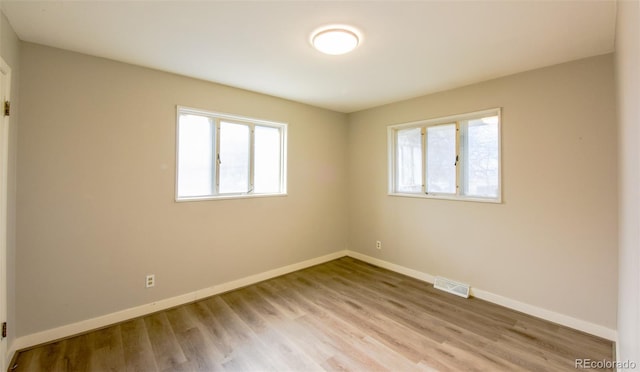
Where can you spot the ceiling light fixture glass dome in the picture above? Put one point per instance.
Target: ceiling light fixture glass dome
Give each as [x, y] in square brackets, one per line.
[335, 40]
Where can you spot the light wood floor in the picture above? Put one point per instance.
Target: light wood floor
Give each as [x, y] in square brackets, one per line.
[342, 315]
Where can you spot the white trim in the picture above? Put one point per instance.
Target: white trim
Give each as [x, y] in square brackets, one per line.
[227, 196]
[5, 94]
[616, 350]
[123, 315]
[391, 159]
[232, 117]
[552, 316]
[445, 197]
[447, 119]
[393, 267]
[392, 131]
[217, 118]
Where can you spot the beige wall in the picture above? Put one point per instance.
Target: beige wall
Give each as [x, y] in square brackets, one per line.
[552, 243]
[627, 60]
[97, 166]
[96, 202]
[10, 52]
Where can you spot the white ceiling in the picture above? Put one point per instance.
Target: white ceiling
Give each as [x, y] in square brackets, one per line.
[409, 48]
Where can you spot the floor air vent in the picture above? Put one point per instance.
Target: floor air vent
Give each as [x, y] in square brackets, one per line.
[448, 285]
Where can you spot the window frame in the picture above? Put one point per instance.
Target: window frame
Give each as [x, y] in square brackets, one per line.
[424, 124]
[217, 118]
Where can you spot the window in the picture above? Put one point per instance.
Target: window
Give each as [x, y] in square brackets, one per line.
[222, 156]
[456, 157]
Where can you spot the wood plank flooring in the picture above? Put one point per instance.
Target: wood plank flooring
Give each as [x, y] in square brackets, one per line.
[344, 315]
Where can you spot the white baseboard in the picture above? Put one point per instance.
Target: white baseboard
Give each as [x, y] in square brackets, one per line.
[393, 267]
[552, 316]
[123, 315]
[616, 356]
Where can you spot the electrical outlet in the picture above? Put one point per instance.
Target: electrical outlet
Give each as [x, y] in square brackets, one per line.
[378, 244]
[151, 281]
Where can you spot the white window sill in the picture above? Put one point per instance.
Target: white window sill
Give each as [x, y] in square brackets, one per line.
[448, 197]
[227, 197]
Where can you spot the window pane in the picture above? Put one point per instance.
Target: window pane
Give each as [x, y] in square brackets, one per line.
[409, 160]
[234, 158]
[481, 154]
[267, 160]
[195, 159]
[441, 159]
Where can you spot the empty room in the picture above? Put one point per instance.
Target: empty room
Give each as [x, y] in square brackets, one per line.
[319, 185]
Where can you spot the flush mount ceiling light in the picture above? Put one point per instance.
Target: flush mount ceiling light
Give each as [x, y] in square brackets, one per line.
[335, 39]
